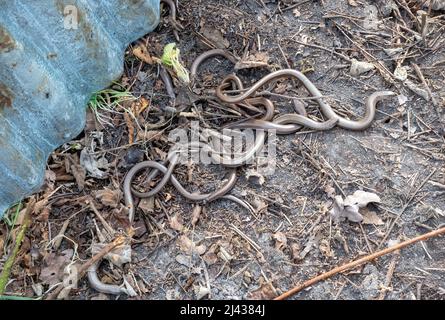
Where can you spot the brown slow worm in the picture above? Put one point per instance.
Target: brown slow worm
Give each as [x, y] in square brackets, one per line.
[326, 109]
[173, 20]
[206, 55]
[168, 176]
[99, 286]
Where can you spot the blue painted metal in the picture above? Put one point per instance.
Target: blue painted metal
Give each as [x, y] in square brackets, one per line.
[53, 55]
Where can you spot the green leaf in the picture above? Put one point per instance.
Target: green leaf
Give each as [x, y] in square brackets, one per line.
[170, 58]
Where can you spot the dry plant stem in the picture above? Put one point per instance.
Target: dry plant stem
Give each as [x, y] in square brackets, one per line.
[4, 276]
[358, 262]
[95, 259]
[315, 46]
[389, 274]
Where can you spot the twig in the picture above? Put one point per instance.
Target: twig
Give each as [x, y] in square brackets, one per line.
[389, 274]
[106, 225]
[358, 262]
[427, 87]
[295, 5]
[332, 51]
[245, 237]
[4, 276]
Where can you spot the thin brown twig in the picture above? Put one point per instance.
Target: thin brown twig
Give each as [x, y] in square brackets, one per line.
[358, 262]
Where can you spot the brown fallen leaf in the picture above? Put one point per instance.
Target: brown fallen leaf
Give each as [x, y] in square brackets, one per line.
[295, 249]
[196, 213]
[188, 246]
[108, 197]
[325, 248]
[215, 37]
[130, 127]
[370, 217]
[352, 3]
[210, 258]
[265, 292]
[139, 106]
[149, 135]
[280, 240]
[147, 205]
[259, 59]
[141, 53]
[175, 223]
[79, 173]
[53, 272]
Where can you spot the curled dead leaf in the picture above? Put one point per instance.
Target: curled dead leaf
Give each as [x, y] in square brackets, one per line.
[188, 246]
[265, 292]
[280, 240]
[360, 67]
[259, 59]
[349, 207]
[196, 213]
[141, 53]
[108, 197]
[55, 265]
[175, 223]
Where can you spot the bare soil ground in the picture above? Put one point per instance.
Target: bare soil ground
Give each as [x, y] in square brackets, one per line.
[400, 158]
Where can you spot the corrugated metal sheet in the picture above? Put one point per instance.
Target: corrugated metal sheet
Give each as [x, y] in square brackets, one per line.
[53, 56]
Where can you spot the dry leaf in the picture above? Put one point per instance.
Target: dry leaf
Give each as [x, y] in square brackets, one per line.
[147, 205]
[108, 197]
[417, 90]
[201, 292]
[215, 36]
[141, 53]
[196, 213]
[118, 256]
[401, 73]
[175, 224]
[210, 258]
[280, 240]
[360, 67]
[370, 217]
[295, 249]
[325, 248]
[139, 106]
[189, 247]
[92, 165]
[254, 176]
[260, 206]
[79, 173]
[265, 292]
[361, 198]
[184, 260]
[259, 59]
[349, 207]
[148, 135]
[352, 3]
[130, 127]
[54, 271]
[296, 13]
